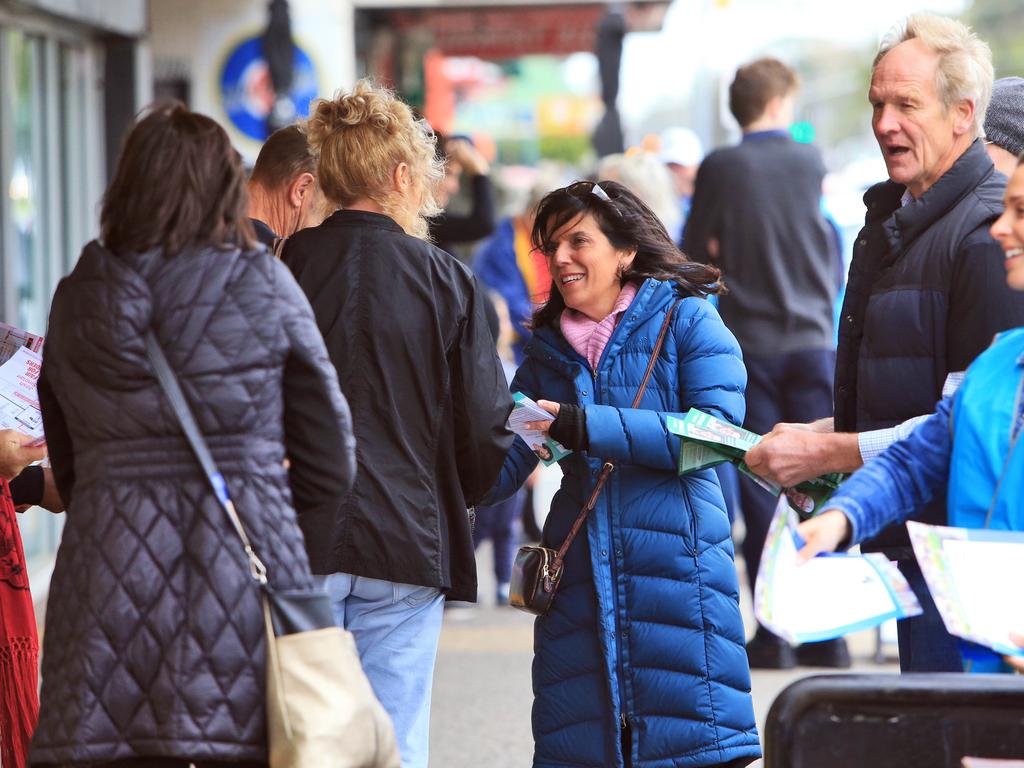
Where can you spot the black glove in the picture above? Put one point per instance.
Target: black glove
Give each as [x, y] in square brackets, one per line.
[27, 488]
[570, 427]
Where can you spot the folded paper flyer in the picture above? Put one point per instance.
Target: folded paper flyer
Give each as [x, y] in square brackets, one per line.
[526, 411]
[13, 338]
[973, 576]
[19, 400]
[708, 441]
[829, 596]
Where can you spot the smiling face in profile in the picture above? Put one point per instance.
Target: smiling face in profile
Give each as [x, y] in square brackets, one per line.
[1009, 229]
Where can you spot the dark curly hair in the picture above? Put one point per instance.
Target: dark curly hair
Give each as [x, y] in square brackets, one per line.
[628, 224]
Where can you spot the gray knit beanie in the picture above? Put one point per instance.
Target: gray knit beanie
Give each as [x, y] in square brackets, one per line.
[1004, 121]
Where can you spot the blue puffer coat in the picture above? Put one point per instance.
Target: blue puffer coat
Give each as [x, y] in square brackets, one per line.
[646, 628]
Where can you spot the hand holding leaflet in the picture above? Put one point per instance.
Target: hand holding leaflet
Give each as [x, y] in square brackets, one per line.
[708, 441]
[968, 572]
[830, 595]
[525, 412]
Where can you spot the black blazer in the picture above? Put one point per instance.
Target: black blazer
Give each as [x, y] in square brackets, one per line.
[405, 326]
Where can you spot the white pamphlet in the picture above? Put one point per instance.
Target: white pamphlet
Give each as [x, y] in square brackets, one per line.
[19, 400]
[829, 596]
[973, 576]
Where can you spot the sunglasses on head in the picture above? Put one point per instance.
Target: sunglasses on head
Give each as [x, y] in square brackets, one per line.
[582, 188]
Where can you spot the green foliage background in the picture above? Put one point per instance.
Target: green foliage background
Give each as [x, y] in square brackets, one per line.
[1001, 24]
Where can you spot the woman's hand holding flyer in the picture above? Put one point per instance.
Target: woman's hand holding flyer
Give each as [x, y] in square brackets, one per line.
[531, 422]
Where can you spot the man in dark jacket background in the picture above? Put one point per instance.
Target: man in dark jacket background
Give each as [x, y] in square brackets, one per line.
[926, 291]
[284, 195]
[757, 216]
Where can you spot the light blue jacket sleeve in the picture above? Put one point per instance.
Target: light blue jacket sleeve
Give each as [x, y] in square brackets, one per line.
[890, 488]
[710, 377]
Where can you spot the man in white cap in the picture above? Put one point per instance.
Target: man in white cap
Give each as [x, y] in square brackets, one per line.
[681, 152]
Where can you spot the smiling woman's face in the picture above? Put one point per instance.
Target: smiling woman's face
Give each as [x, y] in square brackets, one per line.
[585, 267]
[1009, 230]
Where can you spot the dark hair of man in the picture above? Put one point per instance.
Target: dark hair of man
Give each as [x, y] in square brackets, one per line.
[628, 224]
[755, 85]
[283, 156]
[178, 184]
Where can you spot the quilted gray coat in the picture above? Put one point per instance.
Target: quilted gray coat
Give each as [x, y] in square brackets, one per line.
[154, 634]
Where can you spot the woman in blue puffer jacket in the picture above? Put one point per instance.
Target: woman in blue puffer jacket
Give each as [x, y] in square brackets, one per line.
[640, 661]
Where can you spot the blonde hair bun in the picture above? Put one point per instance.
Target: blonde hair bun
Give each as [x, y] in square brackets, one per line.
[360, 137]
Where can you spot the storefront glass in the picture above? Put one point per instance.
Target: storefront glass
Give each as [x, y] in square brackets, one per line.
[23, 177]
[49, 166]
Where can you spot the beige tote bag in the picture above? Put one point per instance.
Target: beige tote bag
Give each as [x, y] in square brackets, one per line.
[321, 710]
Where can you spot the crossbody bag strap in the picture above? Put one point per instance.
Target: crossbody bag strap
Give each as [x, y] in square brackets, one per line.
[606, 470]
[172, 389]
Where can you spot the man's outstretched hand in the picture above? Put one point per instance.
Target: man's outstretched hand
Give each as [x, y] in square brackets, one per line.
[793, 453]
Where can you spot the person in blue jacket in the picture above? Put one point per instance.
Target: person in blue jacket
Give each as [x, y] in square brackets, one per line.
[640, 662]
[971, 445]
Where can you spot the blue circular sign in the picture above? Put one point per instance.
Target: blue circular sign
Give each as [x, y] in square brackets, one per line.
[248, 93]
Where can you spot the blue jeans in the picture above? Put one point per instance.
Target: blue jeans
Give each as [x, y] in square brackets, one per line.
[499, 523]
[396, 629]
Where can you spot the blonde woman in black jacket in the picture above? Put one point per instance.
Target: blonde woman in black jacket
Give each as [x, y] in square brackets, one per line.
[405, 326]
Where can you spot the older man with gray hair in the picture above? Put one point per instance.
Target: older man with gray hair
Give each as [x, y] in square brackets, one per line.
[927, 288]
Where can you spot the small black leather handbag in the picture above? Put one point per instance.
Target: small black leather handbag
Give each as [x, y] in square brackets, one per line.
[537, 570]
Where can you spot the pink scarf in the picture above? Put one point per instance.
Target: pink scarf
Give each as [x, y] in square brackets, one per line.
[589, 337]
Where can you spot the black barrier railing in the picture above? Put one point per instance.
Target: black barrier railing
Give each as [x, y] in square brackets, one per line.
[895, 721]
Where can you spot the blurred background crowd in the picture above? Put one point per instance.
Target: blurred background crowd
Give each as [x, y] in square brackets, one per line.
[529, 95]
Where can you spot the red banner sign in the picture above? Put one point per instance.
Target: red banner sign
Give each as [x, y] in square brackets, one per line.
[505, 33]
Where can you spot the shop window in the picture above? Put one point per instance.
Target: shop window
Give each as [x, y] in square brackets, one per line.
[50, 174]
[78, 213]
[24, 181]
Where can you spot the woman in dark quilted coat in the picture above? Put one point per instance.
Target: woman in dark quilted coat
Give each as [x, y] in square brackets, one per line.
[154, 646]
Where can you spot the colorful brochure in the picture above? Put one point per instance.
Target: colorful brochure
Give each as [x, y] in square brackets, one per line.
[829, 596]
[19, 400]
[526, 411]
[12, 339]
[973, 576]
[708, 441]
